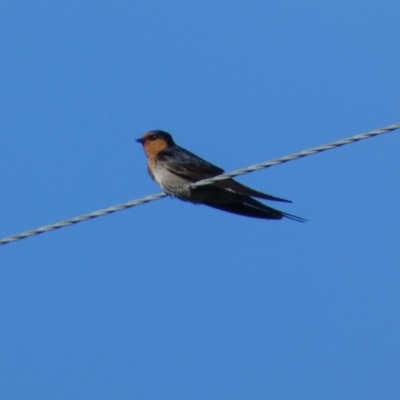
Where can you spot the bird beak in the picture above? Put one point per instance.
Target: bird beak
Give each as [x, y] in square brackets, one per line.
[140, 140]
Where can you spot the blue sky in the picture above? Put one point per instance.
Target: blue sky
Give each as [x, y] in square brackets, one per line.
[174, 301]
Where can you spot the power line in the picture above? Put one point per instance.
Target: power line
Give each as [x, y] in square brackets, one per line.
[300, 154]
[232, 174]
[81, 218]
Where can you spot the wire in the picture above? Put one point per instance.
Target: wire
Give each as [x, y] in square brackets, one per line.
[232, 174]
[298, 155]
[82, 218]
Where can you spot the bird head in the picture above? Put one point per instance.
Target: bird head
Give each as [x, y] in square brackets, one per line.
[155, 141]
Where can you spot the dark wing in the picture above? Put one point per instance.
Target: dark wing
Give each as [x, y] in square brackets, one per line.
[233, 186]
[259, 205]
[253, 208]
[246, 210]
[183, 162]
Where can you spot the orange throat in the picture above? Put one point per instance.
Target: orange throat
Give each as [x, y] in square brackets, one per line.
[152, 148]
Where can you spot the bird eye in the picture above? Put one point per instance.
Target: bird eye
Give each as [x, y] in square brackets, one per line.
[153, 137]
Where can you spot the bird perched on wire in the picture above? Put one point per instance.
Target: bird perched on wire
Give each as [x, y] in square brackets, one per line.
[175, 169]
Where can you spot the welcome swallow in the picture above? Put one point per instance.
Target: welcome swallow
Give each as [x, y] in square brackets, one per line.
[174, 169]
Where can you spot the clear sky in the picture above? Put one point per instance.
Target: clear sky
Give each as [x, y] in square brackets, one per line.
[174, 301]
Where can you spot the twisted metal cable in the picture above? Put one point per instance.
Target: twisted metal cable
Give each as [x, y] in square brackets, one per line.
[300, 154]
[232, 174]
[82, 218]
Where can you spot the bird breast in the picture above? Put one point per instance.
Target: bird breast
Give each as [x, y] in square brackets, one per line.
[171, 183]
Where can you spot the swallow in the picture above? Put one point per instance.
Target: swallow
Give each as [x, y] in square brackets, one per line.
[175, 169]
